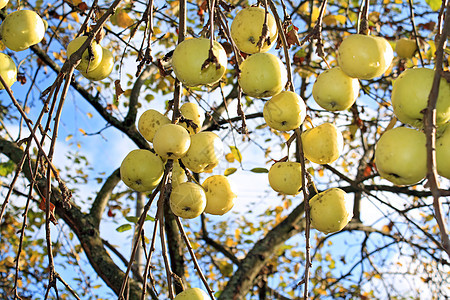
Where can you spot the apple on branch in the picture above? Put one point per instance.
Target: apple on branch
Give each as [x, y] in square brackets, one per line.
[149, 122]
[322, 144]
[284, 111]
[219, 196]
[192, 294]
[191, 111]
[8, 70]
[405, 48]
[443, 150]
[171, 141]
[286, 177]
[204, 153]
[88, 62]
[188, 200]
[103, 70]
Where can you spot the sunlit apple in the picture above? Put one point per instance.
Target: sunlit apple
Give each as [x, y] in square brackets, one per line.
[8, 70]
[219, 196]
[192, 294]
[150, 121]
[87, 63]
[103, 69]
[187, 200]
[285, 111]
[443, 150]
[204, 153]
[405, 48]
[322, 144]
[178, 174]
[191, 111]
[171, 141]
[286, 177]
[3, 3]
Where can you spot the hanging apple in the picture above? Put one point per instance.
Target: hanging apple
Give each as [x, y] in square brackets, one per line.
[322, 144]
[8, 70]
[149, 122]
[187, 200]
[219, 196]
[88, 63]
[285, 111]
[171, 141]
[286, 177]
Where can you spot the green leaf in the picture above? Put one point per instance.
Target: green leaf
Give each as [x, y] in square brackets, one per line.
[229, 171]
[123, 227]
[7, 168]
[259, 170]
[136, 219]
[434, 4]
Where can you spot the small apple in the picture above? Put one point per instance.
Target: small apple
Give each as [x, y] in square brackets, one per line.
[3, 3]
[443, 150]
[219, 196]
[329, 211]
[103, 69]
[286, 177]
[405, 48]
[188, 200]
[22, 29]
[150, 121]
[322, 144]
[189, 57]
[204, 153]
[191, 111]
[262, 75]
[8, 70]
[364, 57]
[334, 90]
[246, 30]
[400, 156]
[87, 63]
[171, 141]
[178, 174]
[192, 294]
[410, 93]
[284, 111]
[141, 170]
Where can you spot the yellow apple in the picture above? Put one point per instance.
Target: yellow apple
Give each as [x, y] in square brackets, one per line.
[22, 29]
[189, 57]
[87, 63]
[329, 210]
[322, 144]
[141, 170]
[191, 111]
[192, 294]
[204, 153]
[400, 156]
[171, 141]
[364, 57]
[262, 75]
[286, 177]
[443, 150]
[405, 48]
[284, 111]
[219, 196]
[410, 93]
[188, 200]
[103, 69]
[178, 174]
[246, 30]
[8, 70]
[334, 90]
[150, 121]
[3, 3]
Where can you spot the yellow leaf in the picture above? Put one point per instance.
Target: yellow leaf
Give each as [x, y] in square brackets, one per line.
[320, 172]
[69, 137]
[121, 19]
[236, 153]
[229, 157]
[89, 115]
[75, 16]
[229, 171]
[286, 135]
[82, 131]
[334, 19]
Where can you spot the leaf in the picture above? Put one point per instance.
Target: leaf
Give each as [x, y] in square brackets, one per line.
[121, 19]
[119, 90]
[123, 228]
[259, 170]
[236, 153]
[82, 131]
[334, 20]
[43, 205]
[229, 157]
[434, 4]
[229, 171]
[7, 168]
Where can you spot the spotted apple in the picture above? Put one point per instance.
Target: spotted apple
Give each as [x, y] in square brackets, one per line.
[187, 200]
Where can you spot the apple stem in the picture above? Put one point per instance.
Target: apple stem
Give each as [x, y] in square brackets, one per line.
[363, 19]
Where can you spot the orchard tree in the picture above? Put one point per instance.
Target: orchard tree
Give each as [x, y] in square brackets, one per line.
[225, 149]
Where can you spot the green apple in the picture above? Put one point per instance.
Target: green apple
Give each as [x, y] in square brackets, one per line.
[443, 150]
[22, 29]
[401, 156]
[191, 111]
[330, 211]
[150, 121]
[322, 144]
[171, 141]
[103, 69]
[3, 3]
[262, 75]
[364, 57]
[142, 170]
[187, 200]
[192, 294]
[286, 177]
[334, 90]
[405, 48]
[87, 63]
[189, 57]
[410, 93]
[204, 153]
[8, 70]
[219, 196]
[178, 174]
[284, 111]
[246, 30]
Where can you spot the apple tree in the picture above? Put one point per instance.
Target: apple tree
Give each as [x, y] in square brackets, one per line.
[270, 149]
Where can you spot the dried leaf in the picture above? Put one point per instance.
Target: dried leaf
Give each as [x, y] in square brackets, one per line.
[119, 90]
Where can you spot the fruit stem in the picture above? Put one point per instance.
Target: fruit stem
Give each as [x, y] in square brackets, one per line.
[363, 19]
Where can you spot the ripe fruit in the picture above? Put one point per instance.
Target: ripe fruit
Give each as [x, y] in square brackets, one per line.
[8, 70]
[262, 75]
[400, 156]
[187, 200]
[204, 153]
[3, 3]
[364, 57]
[178, 174]
[410, 93]
[87, 63]
[22, 29]
[246, 30]
[141, 170]
[329, 211]
[149, 122]
[219, 196]
[405, 48]
[192, 294]
[190, 111]
[443, 151]
[286, 177]
[103, 69]
[189, 57]
[284, 111]
[322, 144]
[171, 141]
[334, 90]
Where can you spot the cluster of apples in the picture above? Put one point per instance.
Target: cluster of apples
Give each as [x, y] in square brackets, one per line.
[18, 31]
